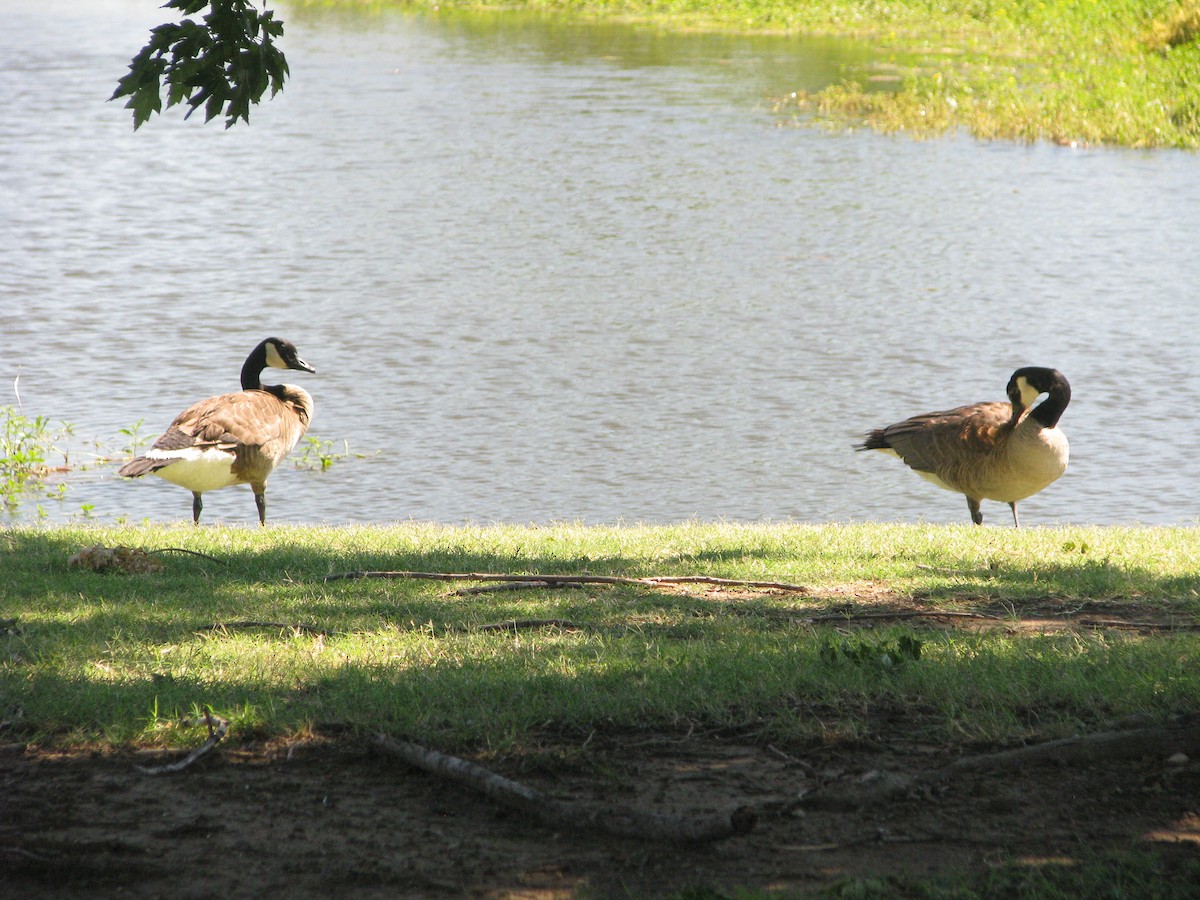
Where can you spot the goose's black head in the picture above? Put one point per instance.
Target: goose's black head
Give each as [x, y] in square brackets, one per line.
[276, 353]
[1029, 383]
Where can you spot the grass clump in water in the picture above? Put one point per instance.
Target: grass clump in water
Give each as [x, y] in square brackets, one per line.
[25, 448]
[1122, 72]
[1068, 73]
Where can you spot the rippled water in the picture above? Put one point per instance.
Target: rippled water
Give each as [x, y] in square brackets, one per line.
[562, 271]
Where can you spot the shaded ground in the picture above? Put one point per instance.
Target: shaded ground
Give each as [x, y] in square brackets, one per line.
[333, 822]
[334, 817]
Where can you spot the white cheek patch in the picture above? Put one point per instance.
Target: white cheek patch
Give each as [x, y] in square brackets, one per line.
[1028, 392]
[274, 360]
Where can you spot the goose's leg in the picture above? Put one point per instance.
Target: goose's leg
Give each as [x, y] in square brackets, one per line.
[197, 505]
[260, 500]
[976, 515]
[1016, 524]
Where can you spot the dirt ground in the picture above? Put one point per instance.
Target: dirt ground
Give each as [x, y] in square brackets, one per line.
[334, 820]
[336, 817]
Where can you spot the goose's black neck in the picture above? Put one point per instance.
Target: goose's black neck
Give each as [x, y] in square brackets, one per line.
[1058, 390]
[252, 369]
[1049, 411]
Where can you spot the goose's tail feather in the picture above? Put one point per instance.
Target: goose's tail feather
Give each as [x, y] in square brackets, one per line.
[142, 465]
[875, 440]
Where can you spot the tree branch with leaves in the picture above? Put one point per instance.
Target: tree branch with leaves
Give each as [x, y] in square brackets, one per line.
[224, 62]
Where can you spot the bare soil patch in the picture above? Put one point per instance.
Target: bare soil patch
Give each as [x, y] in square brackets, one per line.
[333, 816]
[338, 819]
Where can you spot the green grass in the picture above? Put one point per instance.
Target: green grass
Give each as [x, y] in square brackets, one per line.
[26, 448]
[1120, 72]
[118, 658]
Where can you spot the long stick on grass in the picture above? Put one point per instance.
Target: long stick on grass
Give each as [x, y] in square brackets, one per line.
[900, 614]
[555, 580]
[695, 829]
[214, 737]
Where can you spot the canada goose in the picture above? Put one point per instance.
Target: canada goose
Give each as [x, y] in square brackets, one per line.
[234, 438]
[988, 451]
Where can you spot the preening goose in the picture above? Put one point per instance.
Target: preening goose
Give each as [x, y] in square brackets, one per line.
[988, 451]
[234, 438]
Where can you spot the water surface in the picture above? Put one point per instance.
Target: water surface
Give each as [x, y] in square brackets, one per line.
[569, 271]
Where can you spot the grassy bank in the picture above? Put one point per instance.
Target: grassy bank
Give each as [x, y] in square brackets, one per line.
[243, 621]
[1123, 72]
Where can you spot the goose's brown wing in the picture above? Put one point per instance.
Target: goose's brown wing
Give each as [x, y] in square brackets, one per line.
[246, 419]
[930, 441]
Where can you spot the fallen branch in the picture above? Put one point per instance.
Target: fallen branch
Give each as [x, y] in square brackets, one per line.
[726, 582]
[1121, 623]
[901, 614]
[502, 586]
[877, 787]
[608, 819]
[1090, 747]
[557, 580]
[214, 737]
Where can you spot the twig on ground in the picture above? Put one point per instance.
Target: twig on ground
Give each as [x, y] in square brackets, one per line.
[700, 828]
[878, 787]
[557, 580]
[1121, 623]
[503, 586]
[1090, 747]
[214, 737]
[902, 614]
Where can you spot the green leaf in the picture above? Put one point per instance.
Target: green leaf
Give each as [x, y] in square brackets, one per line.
[224, 63]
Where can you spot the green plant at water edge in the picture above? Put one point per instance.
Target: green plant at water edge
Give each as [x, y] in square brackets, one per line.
[133, 432]
[1055, 72]
[318, 454]
[24, 445]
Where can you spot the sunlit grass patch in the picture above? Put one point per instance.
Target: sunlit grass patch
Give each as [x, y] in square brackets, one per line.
[246, 624]
[1175, 27]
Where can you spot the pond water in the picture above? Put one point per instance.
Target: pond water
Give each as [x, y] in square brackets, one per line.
[562, 271]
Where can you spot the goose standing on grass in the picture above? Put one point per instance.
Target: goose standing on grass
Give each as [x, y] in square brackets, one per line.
[988, 451]
[234, 438]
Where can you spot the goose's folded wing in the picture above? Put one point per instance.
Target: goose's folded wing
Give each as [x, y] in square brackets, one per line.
[926, 442]
[247, 418]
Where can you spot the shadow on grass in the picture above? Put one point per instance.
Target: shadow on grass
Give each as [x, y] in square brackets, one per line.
[230, 574]
[99, 651]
